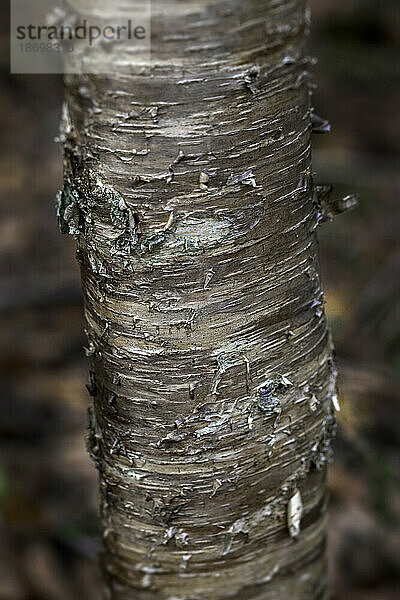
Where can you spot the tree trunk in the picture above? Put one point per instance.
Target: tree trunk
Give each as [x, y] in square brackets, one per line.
[188, 186]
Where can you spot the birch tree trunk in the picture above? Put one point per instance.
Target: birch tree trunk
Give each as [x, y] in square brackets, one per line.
[188, 186]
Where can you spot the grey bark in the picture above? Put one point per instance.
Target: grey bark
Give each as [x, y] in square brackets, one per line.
[188, 186]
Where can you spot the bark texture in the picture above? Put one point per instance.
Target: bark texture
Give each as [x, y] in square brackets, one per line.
[188, 186]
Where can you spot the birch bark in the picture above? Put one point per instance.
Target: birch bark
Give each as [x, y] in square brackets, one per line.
[189, 188]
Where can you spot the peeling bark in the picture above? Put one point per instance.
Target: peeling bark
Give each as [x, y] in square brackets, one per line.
[189, 189]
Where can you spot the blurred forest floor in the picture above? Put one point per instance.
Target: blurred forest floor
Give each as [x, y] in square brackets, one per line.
[48, 487]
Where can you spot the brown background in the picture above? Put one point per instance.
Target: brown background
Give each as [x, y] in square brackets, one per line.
[48, 524]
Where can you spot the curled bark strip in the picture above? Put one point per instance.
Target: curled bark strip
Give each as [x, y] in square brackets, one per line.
[319, 125]
[329, 205]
